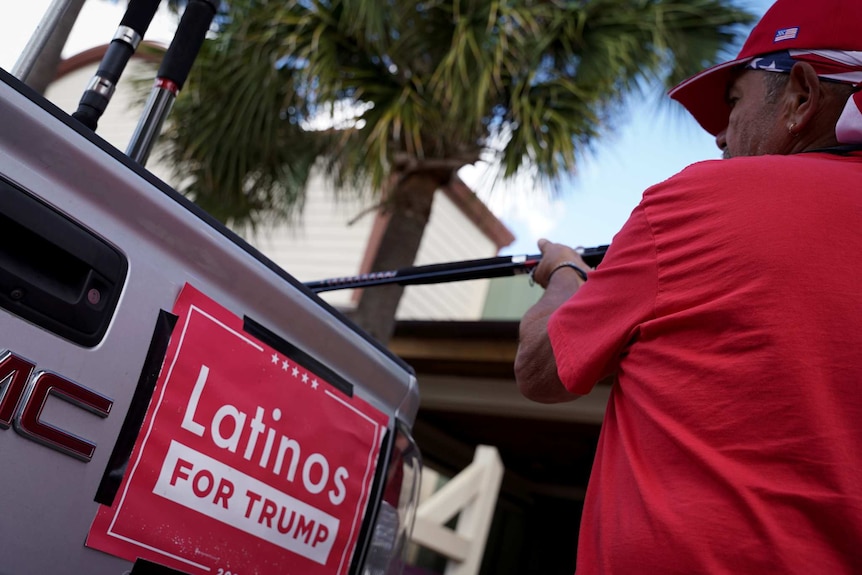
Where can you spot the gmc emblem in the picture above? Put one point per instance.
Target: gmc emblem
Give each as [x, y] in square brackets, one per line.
[23, 395]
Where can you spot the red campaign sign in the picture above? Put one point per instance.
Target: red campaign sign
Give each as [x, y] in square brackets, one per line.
[247, 462]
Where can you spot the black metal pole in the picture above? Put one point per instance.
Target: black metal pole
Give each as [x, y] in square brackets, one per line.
[455, 271]
[176, 65]
[126, 40]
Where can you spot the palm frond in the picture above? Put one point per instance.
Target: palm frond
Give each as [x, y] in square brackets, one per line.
[434, 81]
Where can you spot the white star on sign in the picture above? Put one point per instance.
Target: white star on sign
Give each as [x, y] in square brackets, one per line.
[304, 378]
[284, 365]
[314, 384]
[275, 359]
[295, 372]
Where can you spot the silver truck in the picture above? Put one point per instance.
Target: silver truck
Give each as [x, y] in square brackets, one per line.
[171, 401]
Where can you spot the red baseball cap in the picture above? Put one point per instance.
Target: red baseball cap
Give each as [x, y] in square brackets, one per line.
[787, 25]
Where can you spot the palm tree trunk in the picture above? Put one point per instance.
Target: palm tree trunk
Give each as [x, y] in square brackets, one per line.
[409, 209]
[45, 68]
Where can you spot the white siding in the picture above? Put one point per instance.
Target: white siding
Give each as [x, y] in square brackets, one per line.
[324, 244]
[449, 237]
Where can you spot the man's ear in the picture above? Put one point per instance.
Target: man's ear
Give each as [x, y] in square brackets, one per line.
[803, 95]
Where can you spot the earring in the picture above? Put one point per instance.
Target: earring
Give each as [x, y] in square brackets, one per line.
[790, 128]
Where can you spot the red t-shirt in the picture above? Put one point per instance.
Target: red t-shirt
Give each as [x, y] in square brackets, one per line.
[730, 308]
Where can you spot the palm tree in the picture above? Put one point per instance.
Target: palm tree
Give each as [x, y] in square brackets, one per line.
[433, 84]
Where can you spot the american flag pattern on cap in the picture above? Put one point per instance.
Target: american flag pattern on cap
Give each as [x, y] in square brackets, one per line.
[836, 65]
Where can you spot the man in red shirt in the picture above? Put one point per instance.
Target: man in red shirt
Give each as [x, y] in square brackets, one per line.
[727, 316]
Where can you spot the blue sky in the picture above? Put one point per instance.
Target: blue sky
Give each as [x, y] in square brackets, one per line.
[655, 139]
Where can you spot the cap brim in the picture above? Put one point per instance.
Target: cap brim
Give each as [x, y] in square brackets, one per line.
[704, 95]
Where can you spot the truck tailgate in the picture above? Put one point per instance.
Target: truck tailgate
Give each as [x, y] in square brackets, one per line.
[77, 180]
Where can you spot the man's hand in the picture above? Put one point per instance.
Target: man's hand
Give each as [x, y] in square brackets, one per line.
[535, 366]
[557, 258]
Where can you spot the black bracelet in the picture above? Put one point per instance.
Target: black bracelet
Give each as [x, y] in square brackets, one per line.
[572, 265]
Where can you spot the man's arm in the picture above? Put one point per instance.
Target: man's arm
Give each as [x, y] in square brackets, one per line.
[535, 366]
